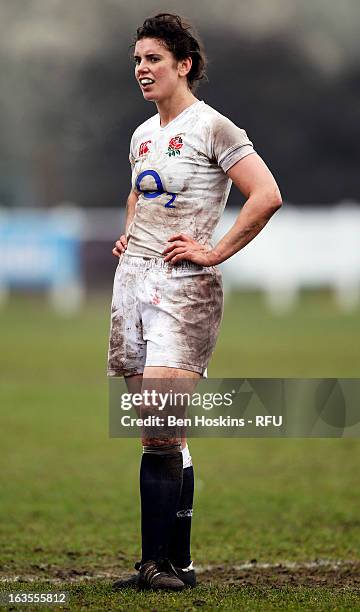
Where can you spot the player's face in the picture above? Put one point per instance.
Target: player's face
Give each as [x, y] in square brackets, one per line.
[156, 69]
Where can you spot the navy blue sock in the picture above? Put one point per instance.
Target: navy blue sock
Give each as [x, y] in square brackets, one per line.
[179, 545]
[160, 488]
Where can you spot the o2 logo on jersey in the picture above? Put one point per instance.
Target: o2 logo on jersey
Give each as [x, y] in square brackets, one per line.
[150, 195]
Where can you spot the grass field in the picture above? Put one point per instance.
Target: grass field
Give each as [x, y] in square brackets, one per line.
[69, 503]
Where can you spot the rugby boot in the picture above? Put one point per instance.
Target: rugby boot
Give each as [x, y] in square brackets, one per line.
[188, 577]
[159, 575]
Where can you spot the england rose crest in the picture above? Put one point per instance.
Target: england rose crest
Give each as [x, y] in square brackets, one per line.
[174, 146]
[144, 148]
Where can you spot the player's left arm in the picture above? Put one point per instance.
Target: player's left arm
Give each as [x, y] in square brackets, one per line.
[255, 181]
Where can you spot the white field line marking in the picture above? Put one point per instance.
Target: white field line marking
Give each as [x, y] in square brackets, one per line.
[110, 575]
[330, 564]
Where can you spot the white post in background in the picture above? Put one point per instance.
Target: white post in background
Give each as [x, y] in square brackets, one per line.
[309, 248]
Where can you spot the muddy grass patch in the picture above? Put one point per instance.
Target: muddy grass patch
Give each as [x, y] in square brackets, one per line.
[333, 574]
[312, 574]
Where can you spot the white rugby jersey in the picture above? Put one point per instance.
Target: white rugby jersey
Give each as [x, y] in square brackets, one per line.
[179, 171]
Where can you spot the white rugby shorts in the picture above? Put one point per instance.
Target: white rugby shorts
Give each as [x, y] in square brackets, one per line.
[163, 315]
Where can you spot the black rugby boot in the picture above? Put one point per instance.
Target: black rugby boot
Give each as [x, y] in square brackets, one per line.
[135, 581]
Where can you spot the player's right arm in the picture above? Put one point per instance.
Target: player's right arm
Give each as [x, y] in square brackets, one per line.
[121, 244]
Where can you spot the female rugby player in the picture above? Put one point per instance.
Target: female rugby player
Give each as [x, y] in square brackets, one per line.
[167, 300]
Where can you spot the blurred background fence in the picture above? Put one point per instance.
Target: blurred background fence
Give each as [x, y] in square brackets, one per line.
[66, 251]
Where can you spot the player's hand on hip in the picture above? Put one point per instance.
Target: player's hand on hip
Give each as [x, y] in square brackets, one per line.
[120, 246]
[183, 247]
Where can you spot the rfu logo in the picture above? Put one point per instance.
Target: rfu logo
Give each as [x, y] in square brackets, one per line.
[174, 146]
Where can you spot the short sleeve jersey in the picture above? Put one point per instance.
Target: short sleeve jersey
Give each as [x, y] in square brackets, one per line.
[179, 171]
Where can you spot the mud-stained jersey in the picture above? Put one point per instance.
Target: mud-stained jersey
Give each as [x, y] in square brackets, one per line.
[179, 171]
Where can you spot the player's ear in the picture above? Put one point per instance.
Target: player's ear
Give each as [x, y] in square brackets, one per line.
[184, 66]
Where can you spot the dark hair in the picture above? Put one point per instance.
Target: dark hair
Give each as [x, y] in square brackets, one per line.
[179, 37]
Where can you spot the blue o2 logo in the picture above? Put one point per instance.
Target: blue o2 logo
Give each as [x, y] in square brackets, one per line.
[149, 195]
